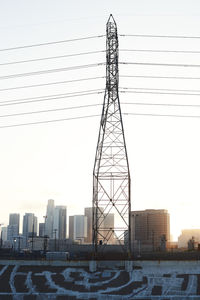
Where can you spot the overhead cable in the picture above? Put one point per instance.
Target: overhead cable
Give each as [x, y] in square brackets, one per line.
[51, 95]
[160, 51]
[49, 99]
[49, 121]
[52, 43]
[160, 77]
[51, 71]
[91, 116]
[157, 89]
[160, 104]
[50, 58]
[161, 36]
[50, 83]
[160, 93]
[94, 105]
[162, 115]
[49, 110]
[159, 64]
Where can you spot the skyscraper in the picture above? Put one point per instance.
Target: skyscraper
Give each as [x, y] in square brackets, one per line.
[41, 229]
[59, 222]
[49, 219]
[149, 227]
[29, 225]
[71, 227]
[12, 232]
[88, 214]
[107, 225]
[14, 220]
[4, 233]
[78, 228]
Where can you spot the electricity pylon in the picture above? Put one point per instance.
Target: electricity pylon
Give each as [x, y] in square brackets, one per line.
[111, 176]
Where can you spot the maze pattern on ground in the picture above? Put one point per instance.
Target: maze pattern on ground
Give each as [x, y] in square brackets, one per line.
[21, 282]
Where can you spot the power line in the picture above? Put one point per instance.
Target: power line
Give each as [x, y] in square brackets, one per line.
[49, 99]
[161, 104]
[48, 121]
[52, 43]
[49, 58]
[51, 83]
[157, 89]
[159, 93]
[51, 71]
[160, 51]
[160, 77]
[161, 115]
[159, 64]
[49, 110]
[90, 116]
[160, 36]
[50, 96]
[94, 105]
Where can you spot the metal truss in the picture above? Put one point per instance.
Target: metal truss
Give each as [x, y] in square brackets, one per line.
[111, 176]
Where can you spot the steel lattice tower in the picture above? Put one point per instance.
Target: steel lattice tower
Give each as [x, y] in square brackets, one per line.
[111, 176]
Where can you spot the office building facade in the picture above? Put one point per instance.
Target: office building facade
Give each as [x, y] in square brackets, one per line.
[29, 226]
[49, 218]
[88, 214]
[78, 228]
[12, 233]
[14, 219]
[149, 229]
[60, 222]
[41, 229]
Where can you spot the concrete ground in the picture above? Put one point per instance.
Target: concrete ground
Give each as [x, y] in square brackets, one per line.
[163, 280]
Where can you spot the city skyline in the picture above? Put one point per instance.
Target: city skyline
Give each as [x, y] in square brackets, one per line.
[17, 227]
[51, 160]
[151, 225]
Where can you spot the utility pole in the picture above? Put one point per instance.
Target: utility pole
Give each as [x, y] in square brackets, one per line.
[111, 176]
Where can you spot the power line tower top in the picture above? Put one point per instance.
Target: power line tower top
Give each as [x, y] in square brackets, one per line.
[111, 176]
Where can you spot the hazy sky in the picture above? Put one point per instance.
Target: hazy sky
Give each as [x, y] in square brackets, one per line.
[56, 160]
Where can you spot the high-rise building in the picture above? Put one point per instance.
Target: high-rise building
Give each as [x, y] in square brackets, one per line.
[71, 227]
[4, 233]
[107, 225]
[14, 220]
[29, 225]
[88, 214]
[149, 228]
[78, 228]
[59, 222]
[49, 219]
[12, 232]
[41, 229]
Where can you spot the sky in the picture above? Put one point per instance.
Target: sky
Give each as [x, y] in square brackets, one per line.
[55, 160]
